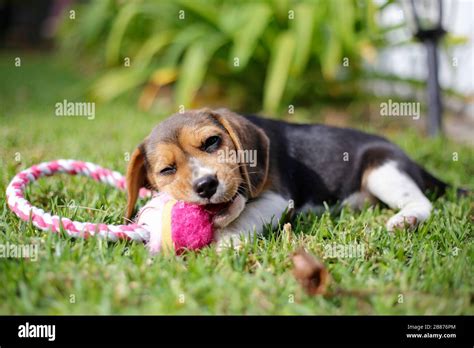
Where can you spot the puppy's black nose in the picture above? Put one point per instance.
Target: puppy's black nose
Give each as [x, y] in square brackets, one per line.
[206, 186]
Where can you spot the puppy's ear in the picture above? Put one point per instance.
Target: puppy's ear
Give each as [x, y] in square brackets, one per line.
[247, 137]
[136, 178]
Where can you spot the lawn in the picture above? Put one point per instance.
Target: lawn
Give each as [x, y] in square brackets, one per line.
[428, 271]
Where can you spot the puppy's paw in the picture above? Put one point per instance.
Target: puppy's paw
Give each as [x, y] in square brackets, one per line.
[402, 222]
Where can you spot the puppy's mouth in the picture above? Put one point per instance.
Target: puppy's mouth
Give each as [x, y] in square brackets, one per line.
[220, 208]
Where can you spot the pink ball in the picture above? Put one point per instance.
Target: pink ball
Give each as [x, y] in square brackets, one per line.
[184, 225]
[191, 226]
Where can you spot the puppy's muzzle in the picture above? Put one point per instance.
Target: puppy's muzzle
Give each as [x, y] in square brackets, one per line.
[206, 186]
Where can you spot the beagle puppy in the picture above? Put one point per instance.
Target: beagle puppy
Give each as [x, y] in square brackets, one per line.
[248, 168]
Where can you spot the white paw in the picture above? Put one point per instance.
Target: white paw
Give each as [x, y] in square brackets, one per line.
[402, 222]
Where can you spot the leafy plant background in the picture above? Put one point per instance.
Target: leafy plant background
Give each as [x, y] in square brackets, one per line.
[261, 54]
[249, 55]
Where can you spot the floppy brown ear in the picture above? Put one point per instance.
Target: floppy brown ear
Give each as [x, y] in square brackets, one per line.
[136, 178]
[248, 137]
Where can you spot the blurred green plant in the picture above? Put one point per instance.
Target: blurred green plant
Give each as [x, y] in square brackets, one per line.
[269, 52]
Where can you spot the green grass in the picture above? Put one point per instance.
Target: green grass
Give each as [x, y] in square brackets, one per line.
[104, 278]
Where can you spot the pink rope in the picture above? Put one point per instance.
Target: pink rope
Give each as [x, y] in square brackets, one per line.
[47, 222]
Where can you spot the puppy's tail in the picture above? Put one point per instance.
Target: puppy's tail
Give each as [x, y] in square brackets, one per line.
[439, 187]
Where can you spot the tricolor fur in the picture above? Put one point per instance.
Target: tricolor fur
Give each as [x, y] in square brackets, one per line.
[307, 164]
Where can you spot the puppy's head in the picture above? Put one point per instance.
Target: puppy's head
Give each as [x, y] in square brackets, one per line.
[200, 156]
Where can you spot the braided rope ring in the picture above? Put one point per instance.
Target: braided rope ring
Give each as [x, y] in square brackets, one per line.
[47, 222]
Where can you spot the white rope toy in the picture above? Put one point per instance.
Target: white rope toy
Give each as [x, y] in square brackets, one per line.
[47, 222]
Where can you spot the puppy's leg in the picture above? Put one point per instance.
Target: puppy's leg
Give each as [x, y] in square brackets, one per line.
[396, 189]
[268, 208]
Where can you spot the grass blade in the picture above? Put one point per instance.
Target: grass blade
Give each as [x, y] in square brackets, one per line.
[152, 46]
[194, 68]
[257, 17]
[278, 70]
[303, 26]
[331, 56]
[116, 82]
[114, 40]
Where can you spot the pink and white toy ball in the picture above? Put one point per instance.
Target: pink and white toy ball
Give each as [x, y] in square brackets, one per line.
[175, 225]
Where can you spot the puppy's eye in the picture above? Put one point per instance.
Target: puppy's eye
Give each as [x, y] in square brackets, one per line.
[211, 144]
[168, 170]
